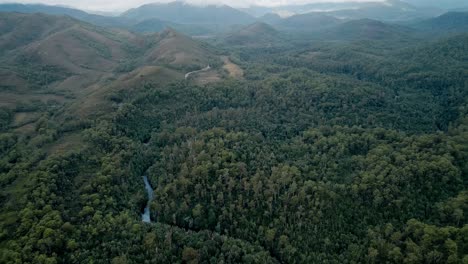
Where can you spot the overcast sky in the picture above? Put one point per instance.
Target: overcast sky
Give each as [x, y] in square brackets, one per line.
[120, 5]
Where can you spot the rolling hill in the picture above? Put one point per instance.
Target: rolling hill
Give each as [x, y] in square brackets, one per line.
[180, 51]
[367, 29]
[308, 22]
[46, 56]
[270, 18]
[447, 23]
[17, 30]
[257, 34]
[63, 42]
[77, 47]
[155, 25]
[150, 25]
[99, 20]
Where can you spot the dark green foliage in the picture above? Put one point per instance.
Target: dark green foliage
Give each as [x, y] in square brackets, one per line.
[39, 75]
[6, 116]
[327, 185]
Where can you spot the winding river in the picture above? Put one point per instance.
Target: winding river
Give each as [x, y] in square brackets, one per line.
[146, 216]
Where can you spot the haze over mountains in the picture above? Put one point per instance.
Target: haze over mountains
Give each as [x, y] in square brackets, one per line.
[213, 19]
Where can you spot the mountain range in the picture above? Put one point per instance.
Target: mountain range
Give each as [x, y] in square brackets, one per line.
[447, 23]
[43, 54]
[183, 13]
[154, 38]
[238, 26]
[213, 19]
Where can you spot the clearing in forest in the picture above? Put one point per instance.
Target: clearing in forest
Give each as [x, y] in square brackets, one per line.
[233, 69]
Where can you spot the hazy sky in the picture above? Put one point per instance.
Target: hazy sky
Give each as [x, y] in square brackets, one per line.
[119, 5]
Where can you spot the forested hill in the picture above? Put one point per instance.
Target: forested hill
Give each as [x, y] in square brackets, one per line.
[306, 151]
[449, 23]
[185, 13]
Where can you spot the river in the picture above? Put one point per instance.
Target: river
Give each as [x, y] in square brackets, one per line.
[146, 216]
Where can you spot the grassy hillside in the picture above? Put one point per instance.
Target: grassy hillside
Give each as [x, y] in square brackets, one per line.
[180, 51]
[38, 40]
[258, 34]
[104, 21]
[54, 57]
[17, 30]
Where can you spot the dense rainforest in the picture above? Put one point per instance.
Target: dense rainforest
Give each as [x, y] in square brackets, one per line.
[323, 152]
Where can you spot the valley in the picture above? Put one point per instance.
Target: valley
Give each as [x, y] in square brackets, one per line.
[337, 135]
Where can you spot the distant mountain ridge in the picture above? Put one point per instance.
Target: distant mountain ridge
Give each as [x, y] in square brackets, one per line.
[380, 10]
[367, 29]
[445, 4]
[106, 21]
[449, 22]
[210, 20]
[389, 10]
[308, 22]
[150, 18]
[183, 13]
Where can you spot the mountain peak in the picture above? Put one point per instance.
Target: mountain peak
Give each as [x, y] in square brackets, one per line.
[258, 33]
[180, 51]
[260, 27]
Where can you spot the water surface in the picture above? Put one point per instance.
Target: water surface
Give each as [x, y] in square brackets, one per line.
[146, 216]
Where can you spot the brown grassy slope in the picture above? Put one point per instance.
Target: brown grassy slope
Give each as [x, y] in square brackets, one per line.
[11, 81]
[90, 58]
[47, 55]
[233, 70]
[34, 41]
[17, 29]
[175, 49]
[80, 48]
[97, 100]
